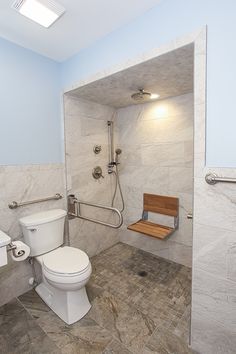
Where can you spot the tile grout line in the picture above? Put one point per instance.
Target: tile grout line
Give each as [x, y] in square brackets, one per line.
[36, 321]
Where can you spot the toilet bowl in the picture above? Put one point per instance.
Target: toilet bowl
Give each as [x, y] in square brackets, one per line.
[65, 270]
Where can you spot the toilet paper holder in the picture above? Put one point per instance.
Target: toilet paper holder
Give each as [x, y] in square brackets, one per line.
[11, 247]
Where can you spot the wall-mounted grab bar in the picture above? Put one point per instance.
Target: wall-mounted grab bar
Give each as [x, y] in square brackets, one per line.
[212, 178]
[75, 211]
[14, 204]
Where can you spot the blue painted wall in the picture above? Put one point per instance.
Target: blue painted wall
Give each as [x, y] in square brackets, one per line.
[165, 22]
[30, 130]
[30, 111]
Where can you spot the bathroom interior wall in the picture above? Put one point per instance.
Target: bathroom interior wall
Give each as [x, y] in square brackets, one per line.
[86, 126]
[30, 107]
[157, 157]
[166, 22]
[30, 148]
[22, 183]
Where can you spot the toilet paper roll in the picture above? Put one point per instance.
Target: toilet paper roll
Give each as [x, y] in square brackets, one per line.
[21, 252]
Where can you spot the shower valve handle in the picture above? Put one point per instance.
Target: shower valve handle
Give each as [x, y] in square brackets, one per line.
[97, 172]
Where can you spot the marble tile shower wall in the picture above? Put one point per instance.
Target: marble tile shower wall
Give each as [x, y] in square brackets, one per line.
[213, 323]
[22, 183]
[157, 143]
[85, 126]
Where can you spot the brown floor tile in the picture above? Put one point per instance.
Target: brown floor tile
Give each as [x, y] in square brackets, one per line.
[130, 326]
[116, 347]
[129, 314]
[165, 342]
[21, 334]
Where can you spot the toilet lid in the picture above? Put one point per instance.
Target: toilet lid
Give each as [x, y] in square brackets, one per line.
[66, 260]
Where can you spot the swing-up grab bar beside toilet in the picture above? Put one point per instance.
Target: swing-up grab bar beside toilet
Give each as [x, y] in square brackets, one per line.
[74, 211]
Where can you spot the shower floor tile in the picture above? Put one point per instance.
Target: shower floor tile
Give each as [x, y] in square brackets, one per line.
[131, 313]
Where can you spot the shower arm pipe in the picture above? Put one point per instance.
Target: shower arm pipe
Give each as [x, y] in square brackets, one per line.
[78, 215]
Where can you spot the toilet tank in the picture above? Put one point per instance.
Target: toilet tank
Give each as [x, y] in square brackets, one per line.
[43, 231]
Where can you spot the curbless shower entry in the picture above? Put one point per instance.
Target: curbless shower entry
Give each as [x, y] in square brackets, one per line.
[92, 128]
[144, 145]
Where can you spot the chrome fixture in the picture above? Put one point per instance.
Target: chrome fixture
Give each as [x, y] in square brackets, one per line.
[97, 149]
[97, 172]
[189, 216]
[113, 163]
[212, 178]
[74, 211]
[11, 247]
[14, 204]
[118, 152]
[141, 96]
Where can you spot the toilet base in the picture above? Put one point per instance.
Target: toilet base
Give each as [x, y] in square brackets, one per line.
[70, 306]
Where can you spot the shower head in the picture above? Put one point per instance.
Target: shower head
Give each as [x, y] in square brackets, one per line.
[118, 151]
[144, 96]
[141, 96]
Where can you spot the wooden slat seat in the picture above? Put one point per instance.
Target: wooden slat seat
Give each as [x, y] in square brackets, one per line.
[157, 204]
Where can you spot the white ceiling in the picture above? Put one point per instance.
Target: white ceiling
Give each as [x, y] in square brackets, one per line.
[168, 75]
[84, 22]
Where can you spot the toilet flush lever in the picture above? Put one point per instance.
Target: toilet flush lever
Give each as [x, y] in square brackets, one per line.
[33, 230]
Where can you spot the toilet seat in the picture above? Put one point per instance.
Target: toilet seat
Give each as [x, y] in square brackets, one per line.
[66, 262]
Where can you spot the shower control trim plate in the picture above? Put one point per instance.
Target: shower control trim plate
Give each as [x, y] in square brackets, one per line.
[97, 172]
[97, 149]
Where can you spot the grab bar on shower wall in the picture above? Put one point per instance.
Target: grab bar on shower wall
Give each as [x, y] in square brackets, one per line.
[14, 204]
[212, 178]
[75, 211]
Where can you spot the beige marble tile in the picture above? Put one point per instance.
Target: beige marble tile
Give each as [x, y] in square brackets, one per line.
[161, 136]
[85, 126]
[163, 341]
[23, 183]
[213, 314]
[126, 323]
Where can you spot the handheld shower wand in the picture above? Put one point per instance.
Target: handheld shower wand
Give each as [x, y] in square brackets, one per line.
[118, 152]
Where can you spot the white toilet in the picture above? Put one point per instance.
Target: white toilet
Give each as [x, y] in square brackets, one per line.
[66, 270]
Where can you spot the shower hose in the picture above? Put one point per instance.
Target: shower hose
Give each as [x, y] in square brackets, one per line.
[117, 186]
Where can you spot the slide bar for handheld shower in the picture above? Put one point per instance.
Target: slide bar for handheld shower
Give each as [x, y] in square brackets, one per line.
[78, 215]
[110, 142]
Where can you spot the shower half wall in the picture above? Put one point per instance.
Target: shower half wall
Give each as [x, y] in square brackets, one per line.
[157, 157]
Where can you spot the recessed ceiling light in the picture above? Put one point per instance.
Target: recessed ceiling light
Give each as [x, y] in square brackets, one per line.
[44, 12]
[154, 96]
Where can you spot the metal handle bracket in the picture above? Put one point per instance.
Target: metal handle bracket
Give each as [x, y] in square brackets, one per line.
[212, 178]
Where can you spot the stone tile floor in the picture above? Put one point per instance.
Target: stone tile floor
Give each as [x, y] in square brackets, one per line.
[129, 314]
